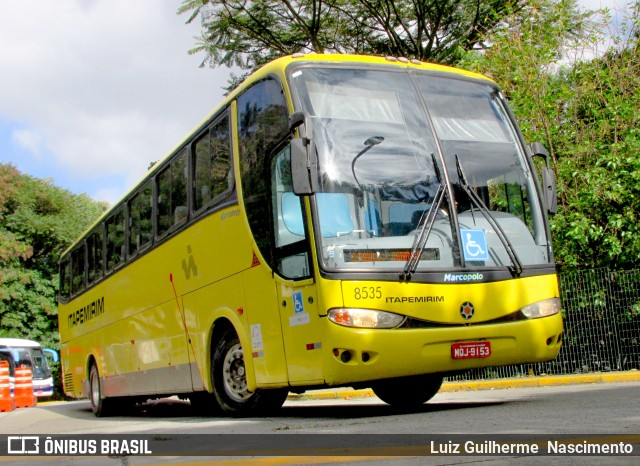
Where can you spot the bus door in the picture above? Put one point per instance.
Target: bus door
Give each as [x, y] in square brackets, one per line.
[297, 295]
[301, 331]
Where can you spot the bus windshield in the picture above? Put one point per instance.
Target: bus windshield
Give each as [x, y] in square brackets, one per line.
[30, 354]
[34, 359]
[388, 141]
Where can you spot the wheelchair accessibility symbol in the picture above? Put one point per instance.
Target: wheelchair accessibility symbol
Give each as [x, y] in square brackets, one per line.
[298, 305]
[474, 244]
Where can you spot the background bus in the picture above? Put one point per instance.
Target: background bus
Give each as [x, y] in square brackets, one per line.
[7, 356]
[30, 354]
[336, 221]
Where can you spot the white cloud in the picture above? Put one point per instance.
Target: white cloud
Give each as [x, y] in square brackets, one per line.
[94, 90]
[29, 140]
[106, 85]
[614, 16]
[110, 195]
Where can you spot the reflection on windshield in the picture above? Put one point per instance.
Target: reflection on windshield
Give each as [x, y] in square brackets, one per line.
[379, 135]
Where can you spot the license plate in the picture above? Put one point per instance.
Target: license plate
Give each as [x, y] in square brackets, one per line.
[471, 350]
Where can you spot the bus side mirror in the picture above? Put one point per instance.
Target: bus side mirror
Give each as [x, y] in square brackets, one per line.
[304, 163]
[550, 192]
[538, 150]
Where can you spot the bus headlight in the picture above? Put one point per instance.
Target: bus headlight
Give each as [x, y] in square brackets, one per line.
[364, 318]
[545, 308]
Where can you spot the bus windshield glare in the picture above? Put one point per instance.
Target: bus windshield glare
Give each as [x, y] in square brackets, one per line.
[387, 141]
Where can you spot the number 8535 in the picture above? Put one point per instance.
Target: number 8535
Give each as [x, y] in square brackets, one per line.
[367, 292]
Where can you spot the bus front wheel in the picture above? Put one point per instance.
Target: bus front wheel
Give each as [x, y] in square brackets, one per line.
[230, 381]
[407, 392]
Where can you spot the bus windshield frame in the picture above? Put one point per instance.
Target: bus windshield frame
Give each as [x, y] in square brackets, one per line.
[386, 141]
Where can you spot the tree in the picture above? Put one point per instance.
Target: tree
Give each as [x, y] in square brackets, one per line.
[584, 108]
[600, 169]
[38, 221]
[248, 34]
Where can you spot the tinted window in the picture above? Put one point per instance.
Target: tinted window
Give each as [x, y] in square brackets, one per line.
[115, 239]
[212, 163]
[140, 219]
[262, 123]
[172, 193]
[40, 365]
[65, 278]
[77, 269]
[94, 254]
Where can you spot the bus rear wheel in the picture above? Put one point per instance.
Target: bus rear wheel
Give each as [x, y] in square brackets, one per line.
[408, 392]
[230, 381]
[101, 406]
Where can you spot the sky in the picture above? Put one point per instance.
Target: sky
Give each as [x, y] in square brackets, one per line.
[93, 91]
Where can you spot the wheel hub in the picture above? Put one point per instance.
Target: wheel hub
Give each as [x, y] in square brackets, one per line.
[234, 374]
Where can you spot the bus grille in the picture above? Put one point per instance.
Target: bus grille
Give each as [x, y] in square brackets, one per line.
[68, 382]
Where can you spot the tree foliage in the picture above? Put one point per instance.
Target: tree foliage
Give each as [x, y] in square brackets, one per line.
[248, 34]
[38, 221]
[584, 107]
[546, 55]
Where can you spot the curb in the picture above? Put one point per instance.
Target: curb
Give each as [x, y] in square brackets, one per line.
[346, 393]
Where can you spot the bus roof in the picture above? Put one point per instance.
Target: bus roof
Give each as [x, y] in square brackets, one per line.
[18, 343]
[273, 67]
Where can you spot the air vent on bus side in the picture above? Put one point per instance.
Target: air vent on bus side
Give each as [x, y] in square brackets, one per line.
[68, 382]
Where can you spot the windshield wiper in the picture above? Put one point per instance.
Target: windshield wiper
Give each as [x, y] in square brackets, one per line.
[475, 199]
[421, 239]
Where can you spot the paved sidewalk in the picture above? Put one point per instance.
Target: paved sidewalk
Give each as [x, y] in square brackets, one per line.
[518, 382]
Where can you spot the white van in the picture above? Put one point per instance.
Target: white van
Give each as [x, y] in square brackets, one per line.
[30, 354]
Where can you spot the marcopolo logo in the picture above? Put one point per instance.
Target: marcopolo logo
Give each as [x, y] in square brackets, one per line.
[463, 277]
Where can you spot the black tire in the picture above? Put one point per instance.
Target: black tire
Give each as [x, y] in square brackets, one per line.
[408, 392]
[230, 381]
[101, 406]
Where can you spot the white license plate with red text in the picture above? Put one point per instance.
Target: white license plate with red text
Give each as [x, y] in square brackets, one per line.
[471, 350]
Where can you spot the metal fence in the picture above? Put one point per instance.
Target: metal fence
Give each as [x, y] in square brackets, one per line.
[602, 327]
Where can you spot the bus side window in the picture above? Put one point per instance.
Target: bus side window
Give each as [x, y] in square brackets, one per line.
[65, 278]
[94, 255]
[212, 164]
[172, 193]
[292, 257]
[140, 217]
[115, 239]
[78, 269]
[506, 194]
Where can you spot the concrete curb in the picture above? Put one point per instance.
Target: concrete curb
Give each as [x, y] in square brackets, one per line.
[345, 393]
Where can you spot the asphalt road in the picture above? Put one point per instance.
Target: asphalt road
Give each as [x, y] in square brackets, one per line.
[357, 430]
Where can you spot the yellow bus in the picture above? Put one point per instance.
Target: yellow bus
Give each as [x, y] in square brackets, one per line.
[337, 221]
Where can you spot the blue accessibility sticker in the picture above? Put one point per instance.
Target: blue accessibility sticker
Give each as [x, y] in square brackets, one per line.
[474, 244]
[298, 305]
